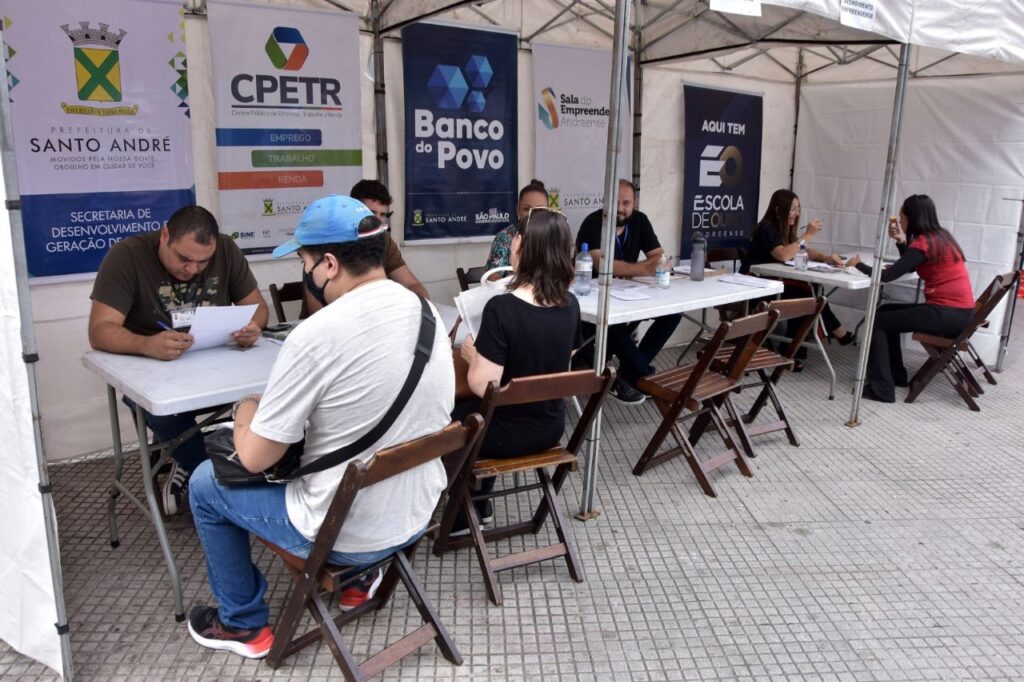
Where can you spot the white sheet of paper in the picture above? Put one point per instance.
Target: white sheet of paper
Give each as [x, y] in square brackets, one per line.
[748, 281]
[626, 284]
[212, 326]
[823, 267]
[631, 295]
[685, 270]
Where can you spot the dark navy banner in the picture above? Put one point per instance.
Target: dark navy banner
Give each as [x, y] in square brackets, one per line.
[460, 131]
[721, 166]
[71, 233]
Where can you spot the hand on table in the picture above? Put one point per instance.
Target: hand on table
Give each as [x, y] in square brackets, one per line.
[853, 261]
[247, 335]
[168, 345]
[835, 260]
[468, 349]
[813, 228]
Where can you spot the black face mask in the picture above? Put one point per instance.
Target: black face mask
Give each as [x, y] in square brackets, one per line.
[318, 293]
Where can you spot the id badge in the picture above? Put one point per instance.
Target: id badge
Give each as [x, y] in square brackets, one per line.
[181, 318]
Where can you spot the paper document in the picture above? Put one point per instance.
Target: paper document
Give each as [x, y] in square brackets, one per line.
[626, 285]
[631, 295]
[748, 281]
[685, 270]
[213, 325]
[823, 267]
[471, 303]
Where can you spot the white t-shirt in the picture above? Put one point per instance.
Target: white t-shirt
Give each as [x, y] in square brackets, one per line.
[334, 378]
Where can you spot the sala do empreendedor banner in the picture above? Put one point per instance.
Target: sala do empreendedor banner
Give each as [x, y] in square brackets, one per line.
[460, 131]
[721, 165]
[99, 103]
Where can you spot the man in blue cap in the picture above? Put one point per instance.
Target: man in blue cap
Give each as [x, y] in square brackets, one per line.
[334, 378]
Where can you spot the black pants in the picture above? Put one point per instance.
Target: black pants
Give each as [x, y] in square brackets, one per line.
[635, 360]
[885, 361]
[828, 318]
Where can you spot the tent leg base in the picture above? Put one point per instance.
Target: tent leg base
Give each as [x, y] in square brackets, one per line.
[179, 617]
[114, 544]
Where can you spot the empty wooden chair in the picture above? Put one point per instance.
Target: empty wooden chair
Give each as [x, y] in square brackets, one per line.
[563, 459]
[470, 276]
[314, 578]
[729, 311]
[704, 390]
[289, 291]
[944, 354]
[769, 366]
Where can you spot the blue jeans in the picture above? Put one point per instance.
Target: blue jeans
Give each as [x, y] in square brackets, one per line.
[189, 453]
[224, 518]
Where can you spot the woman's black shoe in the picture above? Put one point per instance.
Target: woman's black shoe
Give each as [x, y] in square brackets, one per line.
[869, 394]
[843, 340]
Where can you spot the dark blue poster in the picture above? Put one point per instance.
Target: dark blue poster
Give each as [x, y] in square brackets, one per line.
[460, 131]
[721, 166]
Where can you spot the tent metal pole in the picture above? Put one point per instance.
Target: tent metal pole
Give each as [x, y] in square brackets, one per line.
[611, 192]
[30, 356]
[888, 187]
[796, 113]
[1011, 307]
[379, 101]
[638, 88]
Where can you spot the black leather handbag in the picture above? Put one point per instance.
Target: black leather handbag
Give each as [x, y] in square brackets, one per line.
[228, 470]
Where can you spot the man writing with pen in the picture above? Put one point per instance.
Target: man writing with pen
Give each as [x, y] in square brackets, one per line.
[143, 301]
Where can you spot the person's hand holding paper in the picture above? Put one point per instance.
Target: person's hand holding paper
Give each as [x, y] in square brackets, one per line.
[215, 326]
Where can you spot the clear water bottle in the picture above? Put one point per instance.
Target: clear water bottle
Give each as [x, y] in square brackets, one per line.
[800, 259]
[663, 272]
[698, 252]
[584, 272]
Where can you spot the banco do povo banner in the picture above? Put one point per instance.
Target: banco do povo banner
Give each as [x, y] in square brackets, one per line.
[460, 131]
[721, 165]
[289, 128]
[99, 104]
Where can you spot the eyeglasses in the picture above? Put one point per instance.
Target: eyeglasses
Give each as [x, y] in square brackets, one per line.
[543, 208]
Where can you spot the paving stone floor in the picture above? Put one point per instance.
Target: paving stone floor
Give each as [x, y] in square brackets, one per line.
[894, 550]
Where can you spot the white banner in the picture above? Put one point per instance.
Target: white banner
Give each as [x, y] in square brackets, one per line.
[858, 14]
[99, 103]
[286, 87]
[750, 8]
[571, 88]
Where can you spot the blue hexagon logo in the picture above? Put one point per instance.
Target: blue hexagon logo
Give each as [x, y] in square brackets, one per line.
[479, 71]
[475, 101]
[448, 86]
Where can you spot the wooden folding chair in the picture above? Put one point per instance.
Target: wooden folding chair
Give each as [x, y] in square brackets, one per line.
[776, 363]
[729, 311]
[517, 392]
[704, 390]
[289, 291]
[944, 354]
[971, 352]
[470, 276]
[314, 577]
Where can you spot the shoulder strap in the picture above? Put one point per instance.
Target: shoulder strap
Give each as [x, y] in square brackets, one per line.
[424, 347]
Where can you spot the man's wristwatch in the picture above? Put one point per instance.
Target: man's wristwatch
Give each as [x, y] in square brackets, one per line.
[245, 399]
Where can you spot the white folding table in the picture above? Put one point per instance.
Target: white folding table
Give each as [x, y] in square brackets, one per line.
[205, 380]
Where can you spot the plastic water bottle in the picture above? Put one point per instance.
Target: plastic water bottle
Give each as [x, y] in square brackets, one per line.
[663, 272]
[584, 272]
[800, 259]
[698, 251]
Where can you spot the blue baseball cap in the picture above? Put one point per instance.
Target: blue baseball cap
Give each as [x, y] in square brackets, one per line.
[331, 220]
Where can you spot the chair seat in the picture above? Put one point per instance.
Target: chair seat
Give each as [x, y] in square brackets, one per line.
[666, 385]
[489, 468]
[764, 358]
[331, 577]
[937, 341]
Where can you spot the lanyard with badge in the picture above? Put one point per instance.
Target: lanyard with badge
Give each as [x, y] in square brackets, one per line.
[183, 314]
[620, 241]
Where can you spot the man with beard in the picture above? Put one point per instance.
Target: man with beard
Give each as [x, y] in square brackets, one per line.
[633, 235]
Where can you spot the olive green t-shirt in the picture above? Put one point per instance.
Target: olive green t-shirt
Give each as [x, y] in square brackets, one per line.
[133, 281]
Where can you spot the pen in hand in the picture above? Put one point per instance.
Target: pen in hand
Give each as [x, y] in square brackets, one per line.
[163, 325]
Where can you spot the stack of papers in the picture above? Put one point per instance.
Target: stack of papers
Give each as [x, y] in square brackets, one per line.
[685, 270]
[748, 281]
[628, 295]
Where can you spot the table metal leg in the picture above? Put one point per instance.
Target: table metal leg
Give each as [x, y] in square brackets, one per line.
[819, 325]
[115, 492]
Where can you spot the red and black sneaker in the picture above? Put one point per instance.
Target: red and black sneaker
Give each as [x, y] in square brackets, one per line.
[361, 590]
[205, 627]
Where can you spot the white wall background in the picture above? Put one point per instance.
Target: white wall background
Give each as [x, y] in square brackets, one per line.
[842, 136]
[962, 144]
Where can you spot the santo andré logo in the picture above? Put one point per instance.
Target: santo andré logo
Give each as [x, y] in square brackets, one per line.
[287, 50]
[97, 60]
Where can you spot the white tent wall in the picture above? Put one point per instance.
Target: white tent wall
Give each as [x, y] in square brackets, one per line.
[962, 144]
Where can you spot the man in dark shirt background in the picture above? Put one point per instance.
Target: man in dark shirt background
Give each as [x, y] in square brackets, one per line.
[634, 235]
[143, 301]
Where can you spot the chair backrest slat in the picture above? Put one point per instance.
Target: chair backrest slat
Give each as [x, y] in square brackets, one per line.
[983, 308]
[279, 295]
[467, 276]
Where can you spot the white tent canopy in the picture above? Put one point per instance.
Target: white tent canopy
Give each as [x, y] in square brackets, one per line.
[790, 44]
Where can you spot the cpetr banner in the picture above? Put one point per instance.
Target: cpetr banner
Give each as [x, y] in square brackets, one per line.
[721, 165]
[286, 91]
[460, 131]
[572, 93]
[99, 106]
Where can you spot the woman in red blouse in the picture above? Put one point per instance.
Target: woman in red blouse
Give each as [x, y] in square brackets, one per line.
[928, 248]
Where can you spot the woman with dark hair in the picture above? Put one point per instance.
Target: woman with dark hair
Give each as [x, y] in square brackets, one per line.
[532, 329]
[929, 249]
[533, 195]
[776, 240]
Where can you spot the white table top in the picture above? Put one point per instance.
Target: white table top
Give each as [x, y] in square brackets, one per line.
[841, 280]
[683, 295]
[196, 380]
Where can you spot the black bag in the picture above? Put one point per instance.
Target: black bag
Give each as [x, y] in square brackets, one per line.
[228, 470]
